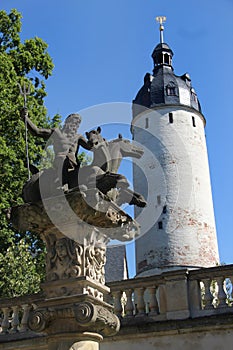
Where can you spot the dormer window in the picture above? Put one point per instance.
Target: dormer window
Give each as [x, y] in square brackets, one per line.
[171, 89]
[193, 95]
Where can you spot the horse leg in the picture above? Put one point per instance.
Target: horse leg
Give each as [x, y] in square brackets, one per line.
[130, 197]
[107, 181]
[122, 182]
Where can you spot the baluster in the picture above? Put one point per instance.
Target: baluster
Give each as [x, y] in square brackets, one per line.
[221, 293]
[162, 295]
[129, 307]
[5, 321]
[208, 297]
[117, 303]
[231, 292]
[15, 319]
[153, 303]
[140, 301]
[24, 322]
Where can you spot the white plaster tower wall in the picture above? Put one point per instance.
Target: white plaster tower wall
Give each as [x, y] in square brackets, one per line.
[178, 225]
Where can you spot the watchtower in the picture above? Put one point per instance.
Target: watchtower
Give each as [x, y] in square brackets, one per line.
[178, 224]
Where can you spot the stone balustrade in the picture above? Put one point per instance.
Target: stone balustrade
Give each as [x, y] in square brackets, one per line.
[210, 291]
[14, 313]
[138, 297]
[174, 295]
[177, 294]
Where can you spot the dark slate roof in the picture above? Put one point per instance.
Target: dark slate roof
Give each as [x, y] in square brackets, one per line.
[164, 87]
[116, 264]
[162, 47]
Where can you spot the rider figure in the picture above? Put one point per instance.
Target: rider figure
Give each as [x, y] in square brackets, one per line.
[66, 143]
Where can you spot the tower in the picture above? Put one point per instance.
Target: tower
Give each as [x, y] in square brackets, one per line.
[178, 225]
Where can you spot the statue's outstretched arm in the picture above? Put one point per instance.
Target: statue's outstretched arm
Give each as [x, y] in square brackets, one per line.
[84, 143]
[33, 129]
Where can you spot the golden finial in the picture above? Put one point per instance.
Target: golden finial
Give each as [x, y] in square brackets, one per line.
[161, 20]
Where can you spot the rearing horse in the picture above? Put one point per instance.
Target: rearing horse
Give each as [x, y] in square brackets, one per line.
[99, 173]
[107, 159]
[120, 148]
[102, 173]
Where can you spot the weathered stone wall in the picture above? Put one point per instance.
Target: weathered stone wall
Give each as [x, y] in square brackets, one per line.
[195, 335]
[201, 340]
[176, 310]
[178, 225]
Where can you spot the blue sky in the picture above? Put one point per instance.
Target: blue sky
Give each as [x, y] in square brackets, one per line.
[102, 50]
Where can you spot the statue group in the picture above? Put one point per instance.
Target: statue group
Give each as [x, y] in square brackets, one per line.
[67, 175]
[76, 211]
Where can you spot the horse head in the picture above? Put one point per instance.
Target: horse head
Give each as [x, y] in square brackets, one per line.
[99, 146]
[95, 138]
[127, 148]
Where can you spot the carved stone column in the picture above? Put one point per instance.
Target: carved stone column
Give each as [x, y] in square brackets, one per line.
[75, 228]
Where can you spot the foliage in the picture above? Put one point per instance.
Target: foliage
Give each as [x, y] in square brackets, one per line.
[18, 271]
[20, 63]
[85, 159]
[22, 254]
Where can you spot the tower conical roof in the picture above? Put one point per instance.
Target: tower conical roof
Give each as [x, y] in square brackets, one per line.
[164, 86]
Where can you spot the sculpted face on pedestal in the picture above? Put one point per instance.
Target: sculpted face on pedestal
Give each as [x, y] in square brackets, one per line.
[61, 249]
[100, 255]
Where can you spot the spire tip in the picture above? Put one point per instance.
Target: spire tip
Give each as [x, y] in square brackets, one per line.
[161, 20]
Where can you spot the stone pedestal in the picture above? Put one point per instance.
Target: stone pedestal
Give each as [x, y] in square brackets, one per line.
[76, 229]
[76, 320]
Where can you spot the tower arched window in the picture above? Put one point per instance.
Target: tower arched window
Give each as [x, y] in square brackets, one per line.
[167, 58]
[194, 122]
[171, 89]
[160, 225]
[171, 118]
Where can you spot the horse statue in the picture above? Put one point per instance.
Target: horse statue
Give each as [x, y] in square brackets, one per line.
[120, 148]
[101, 173]
[106, 161]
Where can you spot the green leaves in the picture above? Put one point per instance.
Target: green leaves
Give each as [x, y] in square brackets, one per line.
[10, 27]
[18, 271]
[32, 55]
[21, 258]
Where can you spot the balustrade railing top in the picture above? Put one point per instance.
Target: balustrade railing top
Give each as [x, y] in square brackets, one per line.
[14, 313]
[176, 294]
[179, 294]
